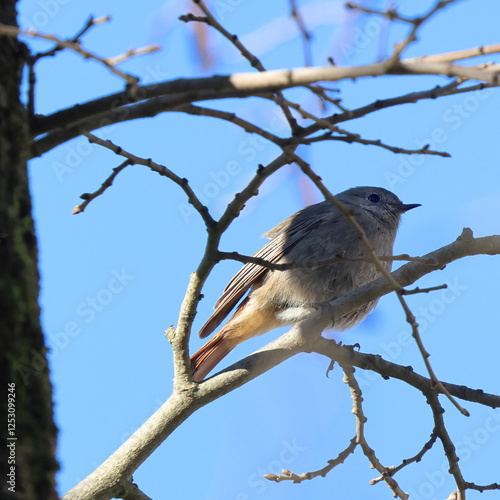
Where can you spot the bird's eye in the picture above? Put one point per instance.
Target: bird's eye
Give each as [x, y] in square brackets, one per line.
[375, 198]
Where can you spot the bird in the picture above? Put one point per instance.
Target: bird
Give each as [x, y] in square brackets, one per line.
[285, 297]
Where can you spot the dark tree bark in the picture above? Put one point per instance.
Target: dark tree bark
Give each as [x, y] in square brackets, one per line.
[22, 349]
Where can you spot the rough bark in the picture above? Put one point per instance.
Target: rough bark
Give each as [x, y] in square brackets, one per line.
[22, 348]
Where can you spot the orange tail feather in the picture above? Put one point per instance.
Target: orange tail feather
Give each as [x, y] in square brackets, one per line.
[247, 322]
[204, 360]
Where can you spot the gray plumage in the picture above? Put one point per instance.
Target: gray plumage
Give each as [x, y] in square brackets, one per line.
[279, 298]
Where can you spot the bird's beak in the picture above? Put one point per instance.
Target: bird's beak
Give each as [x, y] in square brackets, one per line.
[405, 207]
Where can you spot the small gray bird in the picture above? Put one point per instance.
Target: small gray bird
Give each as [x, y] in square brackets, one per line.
[281, 298]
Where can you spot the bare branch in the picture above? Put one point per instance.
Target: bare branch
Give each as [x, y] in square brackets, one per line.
[351, 138]
[88, 197]
[390, 14]
[369, 452]
[76, 46]
[251, 84]
[149, 49]
[417, 23]
[240, 199]
[407, 461]
[179, 337]
[120, 113]
[155, 105]
[91, 22]
[334, 260]
[304, 337]
[347, 136]
[231, 117]
[34, 58]
[305, 476]
[412, 97]
[304, 32]
[458, 55]
[448, 446]
[424, 290]
[410, 318]
[481, 488]
[160, 169]
[254, 61]
[210, 19]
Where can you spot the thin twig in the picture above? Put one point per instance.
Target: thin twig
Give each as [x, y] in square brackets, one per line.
[411, 320]
[91, 22]
[412, 97]
[390, 14]
[249, 127]
[34, 58]
[368, 451]
[407, 461]
[298, 478]
[417, 23]
[424, 290]
[160, 169]
[254, 61]
[448, 446]
[458, 54]
[481, 488]
[347, 136]
[304, 32]
[76, 46]
[355, 138]
[88, 197]
[334, 260]
[148, 49]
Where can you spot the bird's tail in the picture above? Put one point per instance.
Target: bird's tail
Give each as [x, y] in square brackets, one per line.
[246, 323]
[204, 360]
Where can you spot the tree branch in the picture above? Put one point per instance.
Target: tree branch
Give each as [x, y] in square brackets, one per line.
[88, 197]
[250, 84]
[34, 58]
[160, 169]
[309, 265]
[305, 337]
[407, 461]
[76, 46]
[254, 61]
[305, 476]
[368, 451]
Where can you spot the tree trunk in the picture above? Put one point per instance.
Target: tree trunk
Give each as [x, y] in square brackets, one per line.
[27, 459]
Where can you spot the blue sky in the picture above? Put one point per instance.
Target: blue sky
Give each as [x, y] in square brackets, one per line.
[113, 277]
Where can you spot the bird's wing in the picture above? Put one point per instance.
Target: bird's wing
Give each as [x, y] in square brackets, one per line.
[284, 236]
